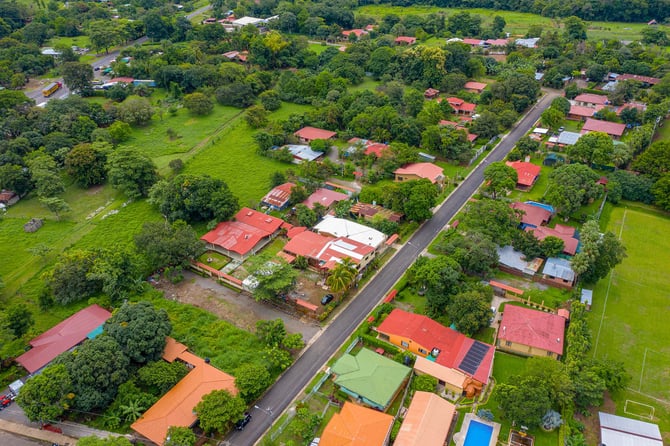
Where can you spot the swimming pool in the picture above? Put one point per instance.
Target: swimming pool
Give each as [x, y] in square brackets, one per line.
[478, 434]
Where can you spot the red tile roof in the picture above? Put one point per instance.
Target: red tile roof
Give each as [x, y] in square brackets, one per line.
[611, 128]
[459, 105]
[306, 244]
[356, 32]
[405, 39]
[431, 93]
[583, 111]
[533, 215]
[123, 80]
[565, 233]
[497, 42]
[423, 170]
[295, 231]
[312, 133]
[533, 328]
[476, 86]
[473, 41]
[636, 77]
[640, 107]
[6, 195]
[61, 338]
[591, 98]
[279, 196]
[325, 197]
[430, 334]
[245, 232]
[376, 149]
[527, 173]
[327, 251]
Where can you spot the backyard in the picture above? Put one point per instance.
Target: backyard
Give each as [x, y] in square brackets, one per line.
[627, 319]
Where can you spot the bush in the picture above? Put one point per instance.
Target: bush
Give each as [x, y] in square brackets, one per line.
[373, 342]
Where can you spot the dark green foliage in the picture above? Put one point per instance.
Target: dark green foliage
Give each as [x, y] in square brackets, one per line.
[86, 163]
[44, 396]
[474, 251]
[69, 280]
[218, 410]
[160, 376]
[424, 383]
[18, 319]
[252, 380]
[140, 331]
[131, 173]
[194, 198]
[470, 311]
[163, 244]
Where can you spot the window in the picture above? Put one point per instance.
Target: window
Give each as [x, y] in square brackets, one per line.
[383, 336]
[422, 351]
[550, 353]
[404, 344]
[508, 343]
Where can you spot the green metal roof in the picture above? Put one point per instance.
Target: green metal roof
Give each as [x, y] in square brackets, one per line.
[370, 375]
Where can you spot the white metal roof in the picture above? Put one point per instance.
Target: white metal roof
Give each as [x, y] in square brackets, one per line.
[340, 227]
[622, 431]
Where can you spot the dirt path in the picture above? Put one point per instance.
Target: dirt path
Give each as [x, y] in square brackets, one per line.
[239, 309]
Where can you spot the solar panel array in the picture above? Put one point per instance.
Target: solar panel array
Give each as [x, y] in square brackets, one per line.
[474, 357]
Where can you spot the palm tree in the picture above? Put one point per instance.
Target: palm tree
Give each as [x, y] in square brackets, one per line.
[342, 276]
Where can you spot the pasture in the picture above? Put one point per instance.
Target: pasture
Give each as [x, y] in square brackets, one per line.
[629, 310]
[518, 23]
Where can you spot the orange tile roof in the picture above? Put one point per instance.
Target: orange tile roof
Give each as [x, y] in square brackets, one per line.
[423, 170]
[472, 85]
[527, 173]
[312, 133]
[427, 421]
[357, 426]
[176, 407]
[173, 349]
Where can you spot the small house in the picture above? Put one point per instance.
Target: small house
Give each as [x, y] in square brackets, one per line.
[431, 93]
[427, 421]
[613, 129]
[309, 134]
[527, 174]
[405, 40]
[529, 332]
[616, 431]
[558, 272]
[278, 197]
[474, 87]
[418, 171]
[356, 425]
[587, 298]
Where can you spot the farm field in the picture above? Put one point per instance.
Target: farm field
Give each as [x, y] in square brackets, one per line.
[517, 22]
[629, 313]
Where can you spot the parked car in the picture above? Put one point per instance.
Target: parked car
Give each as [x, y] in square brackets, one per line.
[326, 299]
[52, 428]
[561, 129]
[243, 422]
[5, 400]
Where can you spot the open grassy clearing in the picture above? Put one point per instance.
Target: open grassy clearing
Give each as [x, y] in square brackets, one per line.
[629, 310]
[517, 22]
[317, 47]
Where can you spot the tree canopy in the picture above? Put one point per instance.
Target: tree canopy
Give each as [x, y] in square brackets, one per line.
[44, 397]
[131, 172]
[218, 410]
[572, 186]
[164, 244]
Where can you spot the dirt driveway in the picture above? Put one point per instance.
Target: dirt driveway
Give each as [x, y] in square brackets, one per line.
[239, 309]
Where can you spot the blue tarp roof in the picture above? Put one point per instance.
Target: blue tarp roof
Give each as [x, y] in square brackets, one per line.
[95, 333]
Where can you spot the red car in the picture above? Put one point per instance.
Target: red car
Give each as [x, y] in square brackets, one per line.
[5, 401]
[51, 428]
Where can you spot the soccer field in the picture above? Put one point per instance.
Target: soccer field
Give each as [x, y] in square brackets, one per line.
[630, 313]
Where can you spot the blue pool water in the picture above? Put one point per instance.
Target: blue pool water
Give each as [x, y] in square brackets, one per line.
[478, 434]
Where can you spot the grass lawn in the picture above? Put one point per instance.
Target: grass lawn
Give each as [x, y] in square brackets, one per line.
[517, 22]
[317, 47]
[629, 310]
[214, 259]
[80, 41]
[505, 366]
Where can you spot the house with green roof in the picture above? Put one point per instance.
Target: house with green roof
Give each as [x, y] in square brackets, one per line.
[370, 378]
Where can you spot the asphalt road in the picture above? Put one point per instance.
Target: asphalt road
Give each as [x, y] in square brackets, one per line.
[291, 384]
[100, 62]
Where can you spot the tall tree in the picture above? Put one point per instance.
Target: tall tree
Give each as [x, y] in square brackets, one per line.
[140, 331]
[86, 163]
[599, 253]
[69, 281]
[45, 175]
[44, 397]
[499, 178]
[131, 172]
[572, 186]
[273, 277]
[18, 319]
[77, 76]
[654, 161]
[252, 380]
[56, 205]
[494, 218]
[164, 244]
[470, 311]
[180, 436]
[218, 410]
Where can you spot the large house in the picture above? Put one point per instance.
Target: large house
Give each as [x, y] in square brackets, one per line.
[278, 197]
[370, 378]
[427, 421]
[533, 216]
[341, 227]
[356, 425]
[324, 253]
[581, 112]
[245, 235]
[591, 100]
[613, 129]
[464, 363]
[176, 408]
[526, 173]
[529, 332]
[309, 134]
[84, 324]
[461, 107]
[418, 171]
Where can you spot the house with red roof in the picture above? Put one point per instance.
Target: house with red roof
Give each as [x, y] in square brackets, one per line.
[8, 198]
[613, 129]
[459, 126]
[418, 171]
[531, 332]
[247, 234]
[533, 216]
[309, 134]
[324, 253]
[580, 112]
[591, 100]
[474, 87]
[356, 425]
[356, 32]
[473, 42]
[371, 147]
[465, 363]
[325, 197]
[84, 324]
[405, 40]
[278, 197]
[461, 107]
[565, 233]
[431, 93]
[527, 174]
[499, 43]
[645, 80]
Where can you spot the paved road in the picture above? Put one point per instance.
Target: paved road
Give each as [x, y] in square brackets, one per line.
[100, 62]
[290, 385]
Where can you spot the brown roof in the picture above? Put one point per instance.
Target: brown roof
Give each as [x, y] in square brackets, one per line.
[533, 215]
[175, 408]
[472, 85]
[611, 128]
[422, 170]
[279, 195]
[357, 426]
[591, 98]
[636, 77]
[312, 133]
[427, 421]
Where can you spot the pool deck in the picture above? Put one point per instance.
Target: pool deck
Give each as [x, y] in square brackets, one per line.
[460, 437]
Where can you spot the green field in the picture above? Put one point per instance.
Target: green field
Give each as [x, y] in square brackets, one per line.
[517, 22]
[630, 307]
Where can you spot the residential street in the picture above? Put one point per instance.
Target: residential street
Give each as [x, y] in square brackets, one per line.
[290, 385]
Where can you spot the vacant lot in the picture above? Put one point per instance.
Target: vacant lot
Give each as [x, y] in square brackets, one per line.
[628, 318]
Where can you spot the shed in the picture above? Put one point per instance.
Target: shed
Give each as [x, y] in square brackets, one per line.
[622, 431]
